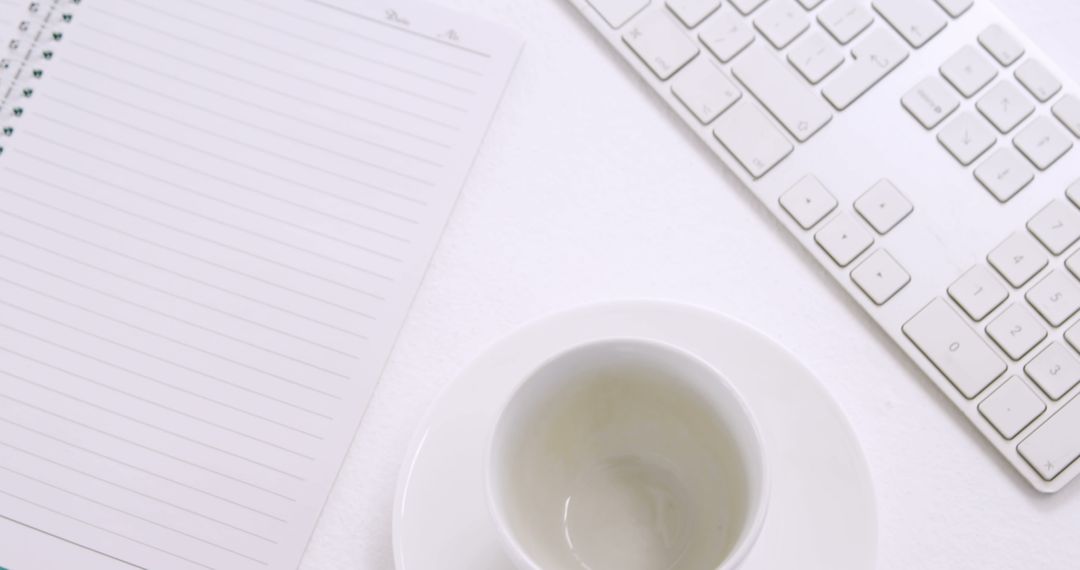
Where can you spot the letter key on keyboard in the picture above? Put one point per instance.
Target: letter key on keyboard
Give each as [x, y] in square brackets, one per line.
[660, 43]
[782, 92]
[964, 358]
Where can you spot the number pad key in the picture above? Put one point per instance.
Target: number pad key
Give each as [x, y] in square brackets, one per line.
[808, 202]
[1056, 297]
[1005, 49]
[1057, 226]
[1012, 407]
[1016, 331]
[967, 137]
[1018, 258]
[978, 292]
[1043, 142]
[660, 43]
[1004, 173]
[968, 70]
[883, 206]
[1005, 106]
[843, 239]
[1056, 370]
[1038, 80]
[880, 277]
[965, 359]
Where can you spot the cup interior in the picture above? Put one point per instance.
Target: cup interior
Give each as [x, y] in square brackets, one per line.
[626, 454]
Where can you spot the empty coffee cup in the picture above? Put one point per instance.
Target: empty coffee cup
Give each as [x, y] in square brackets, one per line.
[626, 454]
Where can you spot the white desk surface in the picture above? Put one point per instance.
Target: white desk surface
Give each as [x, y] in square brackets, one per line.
[588, 189]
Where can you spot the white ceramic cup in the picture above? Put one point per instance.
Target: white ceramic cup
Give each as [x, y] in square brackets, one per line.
[626, 454]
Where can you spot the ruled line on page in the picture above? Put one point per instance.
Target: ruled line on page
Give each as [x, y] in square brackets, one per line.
[174, 295]
[128, 84]
[401, 29]
[149, 402]
[252, 368]
[155, 221]
[150, 449]
[218, 199]
[72, 542]
[148, 309]
[352, 33]
[133, 515]
[138, 469]
[103, 529]
[325, 87]
[250, 146]
[175, 273]
[316, 63]
[128, 489]
[339, 48]
[305, 101]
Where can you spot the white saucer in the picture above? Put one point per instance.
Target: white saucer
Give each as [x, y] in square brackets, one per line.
[821, 513]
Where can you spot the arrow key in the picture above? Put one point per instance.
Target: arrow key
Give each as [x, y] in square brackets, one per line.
[967, 137]
[844, 239]
[880, 277]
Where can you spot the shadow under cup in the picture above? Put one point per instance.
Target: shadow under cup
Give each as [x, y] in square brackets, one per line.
[629, 455]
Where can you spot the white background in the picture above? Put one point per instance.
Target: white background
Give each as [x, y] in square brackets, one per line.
[586, 189]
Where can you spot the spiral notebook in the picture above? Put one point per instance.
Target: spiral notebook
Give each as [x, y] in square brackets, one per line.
[213, 219]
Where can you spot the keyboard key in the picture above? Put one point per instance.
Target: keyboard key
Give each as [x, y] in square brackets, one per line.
[1043, 142]
[660, 43]
[751, 138]
[844, 239]
[1073, 336]
[618, 12]
[692, 12]
[726, 35]
[953, 348]
[1057, 226]
[1018, 258]
[930, 102]
[1056, 370]
[705, 90]
[880, 277]
[878, 54]
[967, 137]
[1005, 106]
[883, 206]
[781, 22]
[955, 8]
[1004, 173]
[1056, 297]
[747, 6]
[1001, 44]
[810, 4]
[1055, 445]
[786, 96]
[917, 20]
[1038, 80]
[1073, 192]
[978, 292]
[1016, 331]
[968, 70]
[815, 56]
[845, 19]
[807, 202]
[1067, 110]
[1012, 407]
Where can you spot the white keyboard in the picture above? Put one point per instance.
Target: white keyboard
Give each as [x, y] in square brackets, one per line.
[922, 151]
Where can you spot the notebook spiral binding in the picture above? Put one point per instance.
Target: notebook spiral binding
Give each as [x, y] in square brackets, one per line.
[26, 55]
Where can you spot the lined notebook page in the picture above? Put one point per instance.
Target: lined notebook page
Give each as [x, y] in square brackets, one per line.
[213, 218]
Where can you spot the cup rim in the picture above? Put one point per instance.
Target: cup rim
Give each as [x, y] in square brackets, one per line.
[760, 503]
